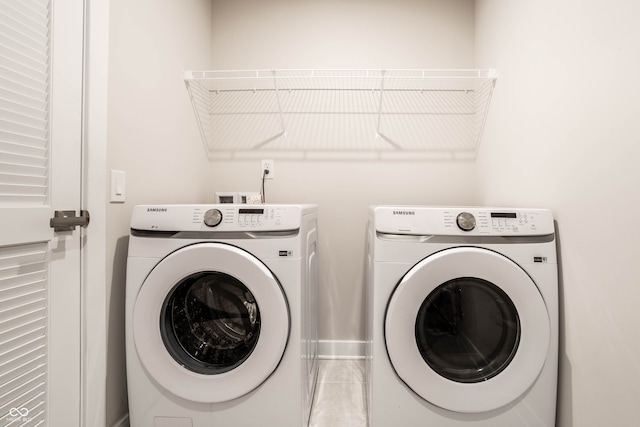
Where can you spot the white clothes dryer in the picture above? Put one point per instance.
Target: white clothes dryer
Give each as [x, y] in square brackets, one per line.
[221, 324]
[463, 317]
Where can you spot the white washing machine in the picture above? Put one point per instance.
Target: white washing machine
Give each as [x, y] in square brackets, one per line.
[221, 325]
[463, 317]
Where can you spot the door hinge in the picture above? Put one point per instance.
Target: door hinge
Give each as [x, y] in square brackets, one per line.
[67, 220]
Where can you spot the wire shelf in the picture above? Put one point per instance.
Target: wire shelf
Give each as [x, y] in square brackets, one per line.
[333, 113]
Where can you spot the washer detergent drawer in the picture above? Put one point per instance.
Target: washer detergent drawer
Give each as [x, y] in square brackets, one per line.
[467, 330]
[210, 323]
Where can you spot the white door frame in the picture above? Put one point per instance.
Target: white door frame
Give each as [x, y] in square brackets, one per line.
[94, 343]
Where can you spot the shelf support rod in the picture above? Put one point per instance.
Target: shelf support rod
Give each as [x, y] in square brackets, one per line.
[275, 86]
[382, 72]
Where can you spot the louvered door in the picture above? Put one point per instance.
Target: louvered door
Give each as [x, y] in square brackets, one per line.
[23, 332]
[40, 172]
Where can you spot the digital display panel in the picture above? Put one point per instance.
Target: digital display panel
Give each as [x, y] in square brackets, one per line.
[503, 215]
[251, 211]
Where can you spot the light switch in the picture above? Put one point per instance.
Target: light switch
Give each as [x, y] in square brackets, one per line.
[118, 186]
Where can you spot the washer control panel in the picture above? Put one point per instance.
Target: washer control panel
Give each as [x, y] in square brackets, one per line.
[242, 217]
[219, 217]
[500, 221]
[421, 220]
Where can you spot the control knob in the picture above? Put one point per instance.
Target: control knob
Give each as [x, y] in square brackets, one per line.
[466, 221]
[212, 217]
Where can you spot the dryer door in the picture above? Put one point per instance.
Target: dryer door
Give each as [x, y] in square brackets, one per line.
[210, 322]
[467, 329]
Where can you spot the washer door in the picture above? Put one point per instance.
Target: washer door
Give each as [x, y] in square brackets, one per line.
[210, 322]
[467, 330]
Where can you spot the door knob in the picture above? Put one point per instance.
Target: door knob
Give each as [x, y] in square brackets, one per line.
[67, 220]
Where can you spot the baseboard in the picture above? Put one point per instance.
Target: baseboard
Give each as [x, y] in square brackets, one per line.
[334, 349]
[122, 422]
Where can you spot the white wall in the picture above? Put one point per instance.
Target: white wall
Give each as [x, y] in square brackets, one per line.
[152, 136]
[562, 133]
[341, 34]
[257, 34]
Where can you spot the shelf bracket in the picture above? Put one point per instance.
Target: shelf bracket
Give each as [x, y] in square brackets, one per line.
[378, 135]
[275, 87]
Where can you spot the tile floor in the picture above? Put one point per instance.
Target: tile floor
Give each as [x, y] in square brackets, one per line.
[340, 395]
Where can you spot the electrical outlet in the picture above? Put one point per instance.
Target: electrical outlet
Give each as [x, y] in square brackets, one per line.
[267, 164]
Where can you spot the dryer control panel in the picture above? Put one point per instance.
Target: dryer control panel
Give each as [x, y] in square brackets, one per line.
[457, 221]
[218, 217]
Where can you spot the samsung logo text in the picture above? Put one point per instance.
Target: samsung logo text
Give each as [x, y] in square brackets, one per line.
[404, 212]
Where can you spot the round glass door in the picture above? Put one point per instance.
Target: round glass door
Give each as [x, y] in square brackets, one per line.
[467, 330]
[210, 322]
